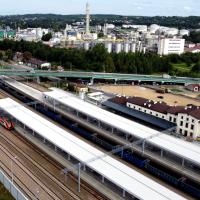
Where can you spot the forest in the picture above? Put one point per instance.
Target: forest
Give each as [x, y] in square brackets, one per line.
[96, 59]
[57, 22]
[99, 60]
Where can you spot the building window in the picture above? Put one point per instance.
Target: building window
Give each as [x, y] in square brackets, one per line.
[181, 124]
[192, 127]
[181, 117]
[181, 131]
[191, 134]
[185, 134]
[187, 119]
[150, 113]
[156, 115]
[193, 121]
[186, 125]
[170, 119]
[139, 108]
[163, 116]
[174, 120]
[145, 111]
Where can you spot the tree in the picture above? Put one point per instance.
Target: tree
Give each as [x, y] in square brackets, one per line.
[27, 56]
[46, 37]
[98, 59]
[99, 53]
[174, 58]
[109, 65]
[194, 37]
[196, 67]
[1, 55]
[9, 54]
[100, 35]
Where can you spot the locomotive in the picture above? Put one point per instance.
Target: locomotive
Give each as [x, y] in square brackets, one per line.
[6, 123]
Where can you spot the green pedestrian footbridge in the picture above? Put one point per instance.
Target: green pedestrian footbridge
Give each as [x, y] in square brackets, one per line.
[92, 76]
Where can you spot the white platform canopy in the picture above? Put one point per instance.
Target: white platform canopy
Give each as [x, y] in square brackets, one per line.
[22, 87]
[123, 176]
[176, 146]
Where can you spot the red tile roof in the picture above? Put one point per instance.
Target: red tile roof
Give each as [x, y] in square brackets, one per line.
[160, 107]
[119, 100]
[138, 101]
[176, 109]
[195, 113]
[197, 47]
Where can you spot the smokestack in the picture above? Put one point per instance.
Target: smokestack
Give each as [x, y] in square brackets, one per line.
[87, 31]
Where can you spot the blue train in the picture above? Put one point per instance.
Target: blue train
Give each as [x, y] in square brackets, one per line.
[140, 162]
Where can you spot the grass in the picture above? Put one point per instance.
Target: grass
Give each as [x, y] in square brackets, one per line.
[2, 67]
[4, 194]
[176, 90]
[182, 67]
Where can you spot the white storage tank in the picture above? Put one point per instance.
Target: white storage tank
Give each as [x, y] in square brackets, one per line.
[172, 31]
[133, 47]
[118, 47]
[108, 46]
[39, 32]
[142, 28]
[144, 50]
[86, 46]
[153, 28]
[126, 47]
[184, 32]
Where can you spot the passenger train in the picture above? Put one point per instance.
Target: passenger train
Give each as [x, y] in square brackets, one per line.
[6, 123]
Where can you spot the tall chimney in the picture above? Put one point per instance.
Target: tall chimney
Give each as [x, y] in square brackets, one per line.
[87, 31]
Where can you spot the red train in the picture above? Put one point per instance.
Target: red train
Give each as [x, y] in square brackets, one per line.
[6, 123]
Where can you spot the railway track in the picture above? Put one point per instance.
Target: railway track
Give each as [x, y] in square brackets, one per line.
[9, 142]
[84, 185]
[29, 193]
[71, 174]
[44, 186]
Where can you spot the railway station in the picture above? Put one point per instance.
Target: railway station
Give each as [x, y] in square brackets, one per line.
[166, 150]
[180, 152]
[127, 180]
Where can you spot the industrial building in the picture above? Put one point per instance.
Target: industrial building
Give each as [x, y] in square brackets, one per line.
[171, 46]
[7, 34]
[125, 38]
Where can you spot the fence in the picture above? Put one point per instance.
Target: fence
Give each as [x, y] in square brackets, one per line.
[15, 192]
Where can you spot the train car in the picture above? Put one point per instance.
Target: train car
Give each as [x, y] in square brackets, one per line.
[6, 123]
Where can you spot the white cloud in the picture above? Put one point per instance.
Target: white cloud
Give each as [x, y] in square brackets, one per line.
[187, 8]
[139, 8]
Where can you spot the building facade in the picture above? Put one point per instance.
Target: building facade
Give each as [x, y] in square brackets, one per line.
[186, 118]
[168, 46]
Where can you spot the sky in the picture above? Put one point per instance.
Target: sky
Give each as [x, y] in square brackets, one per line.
[122, 7]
